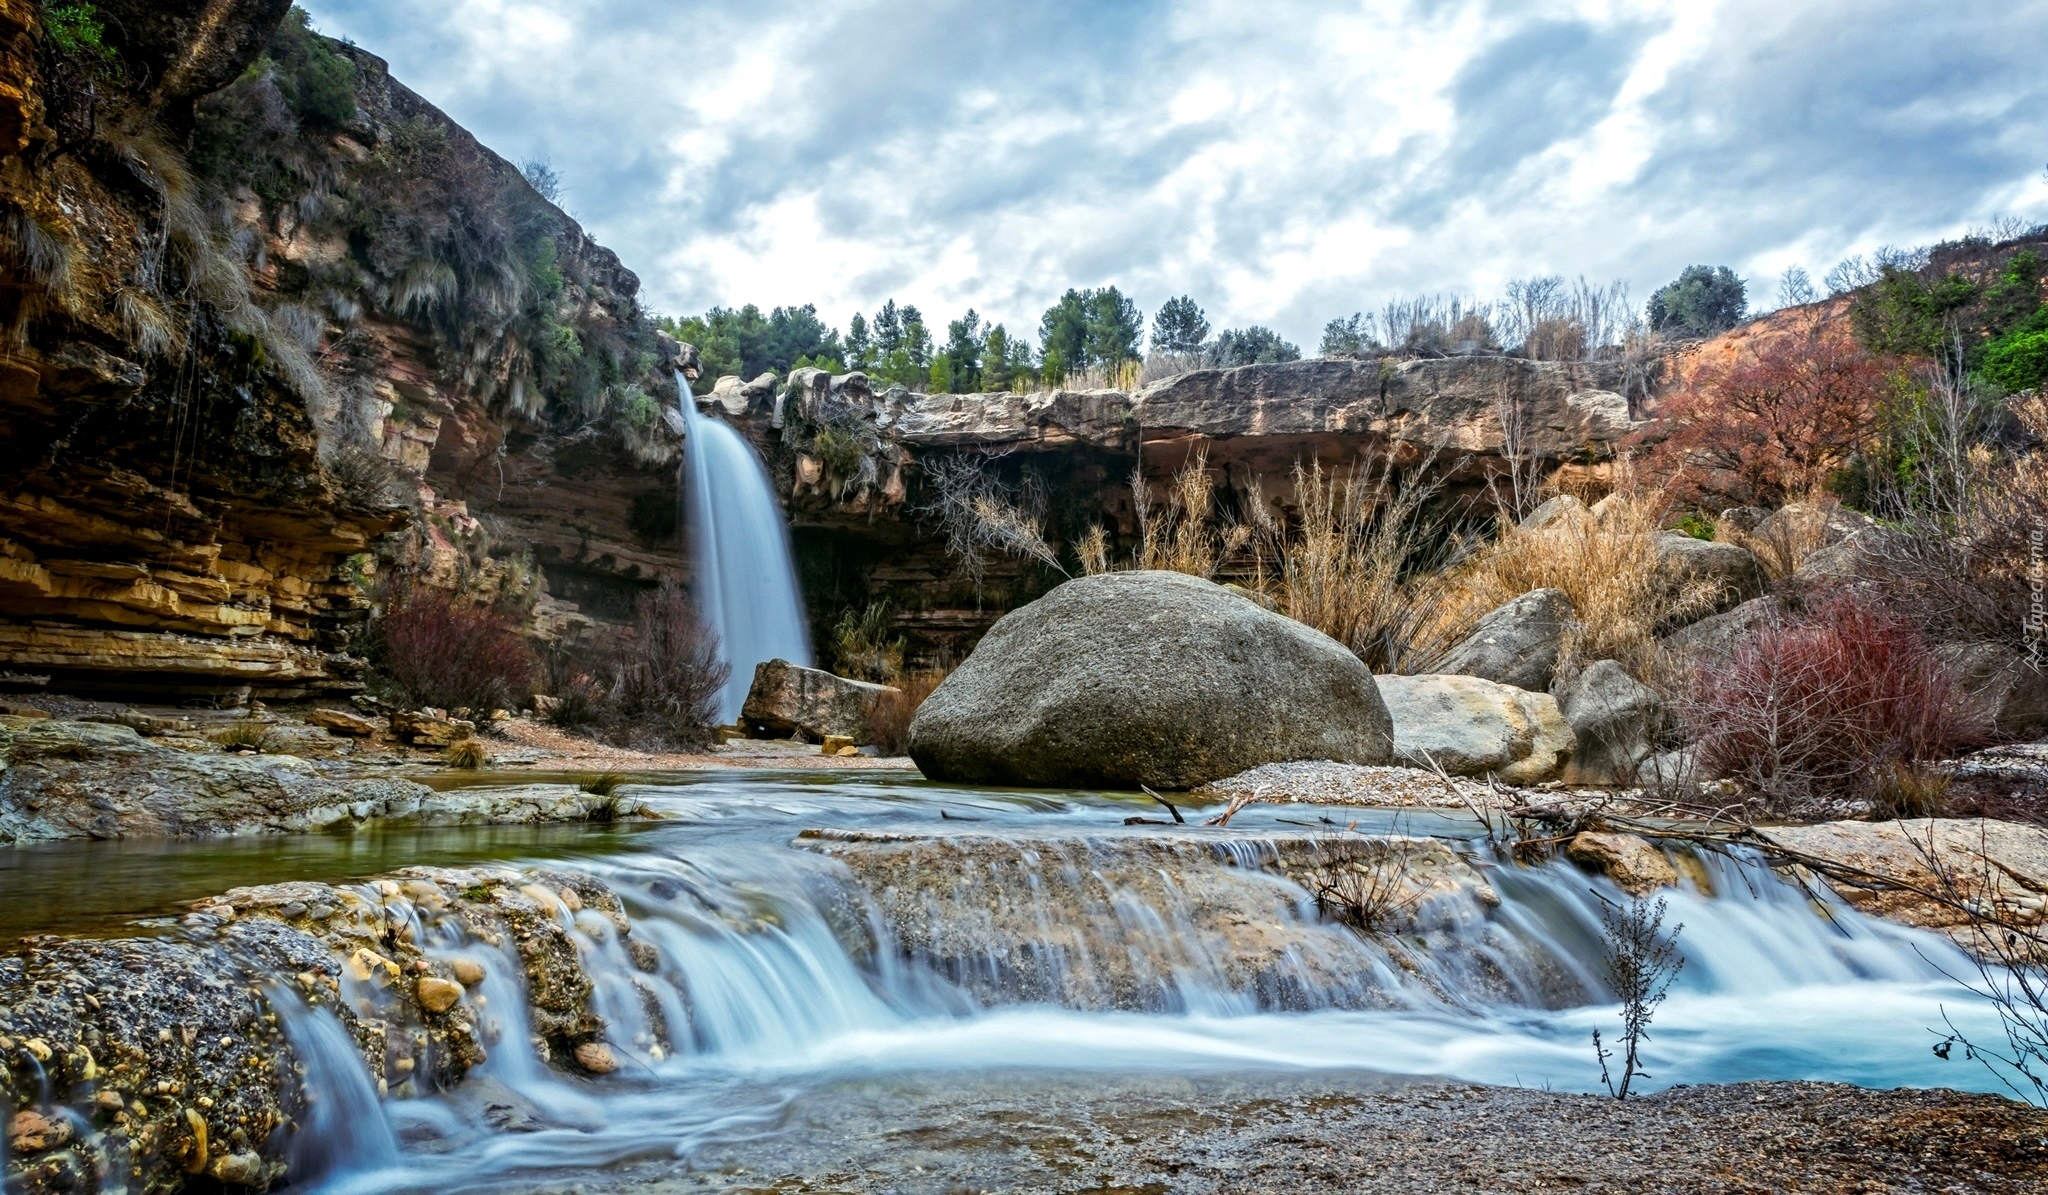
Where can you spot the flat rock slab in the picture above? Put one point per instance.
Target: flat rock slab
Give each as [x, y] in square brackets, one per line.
[62, 780]
[2003, 865]
[1122, 919]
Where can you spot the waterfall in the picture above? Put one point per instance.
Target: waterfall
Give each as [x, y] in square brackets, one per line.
[745, 576]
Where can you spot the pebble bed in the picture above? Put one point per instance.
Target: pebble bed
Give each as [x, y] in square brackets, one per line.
[1326, 782]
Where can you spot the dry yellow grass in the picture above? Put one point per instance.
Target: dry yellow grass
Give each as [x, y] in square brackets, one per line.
[1359, 562]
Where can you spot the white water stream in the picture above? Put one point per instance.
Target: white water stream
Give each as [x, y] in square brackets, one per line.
[779, 973]
[744, 573]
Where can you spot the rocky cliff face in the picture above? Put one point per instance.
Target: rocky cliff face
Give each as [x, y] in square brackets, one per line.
[857, 468]
[266, 307]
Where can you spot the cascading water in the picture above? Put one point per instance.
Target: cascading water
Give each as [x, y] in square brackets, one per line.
[1049, 939]
[746, 586]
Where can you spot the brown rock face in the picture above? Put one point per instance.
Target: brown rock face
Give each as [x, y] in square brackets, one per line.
[197, 493]
[788, 700]
[865, 532]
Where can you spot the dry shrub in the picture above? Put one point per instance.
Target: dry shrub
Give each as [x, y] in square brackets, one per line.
[889, 721]
[666, 680]
[439, 650]
[1778, 421]
[468, 754]
[1187, 536]
[1356, 566]
[1606, 564]
[1841, 702]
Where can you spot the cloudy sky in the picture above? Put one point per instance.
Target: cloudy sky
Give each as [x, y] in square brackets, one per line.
[1283, 161]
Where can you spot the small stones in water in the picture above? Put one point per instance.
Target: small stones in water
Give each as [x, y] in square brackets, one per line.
[109, 1101]
[645, 955]
[468, 972]
[596, 1057]
[240, 1169]
[438, 995]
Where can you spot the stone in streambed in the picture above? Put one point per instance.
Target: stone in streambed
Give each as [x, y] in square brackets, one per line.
[809, 702]
[1151, 678]
[597, 1058]
[1634, 864]
[437, 995]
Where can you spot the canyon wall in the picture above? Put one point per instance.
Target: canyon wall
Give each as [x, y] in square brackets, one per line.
[275, 325]
[859, 468]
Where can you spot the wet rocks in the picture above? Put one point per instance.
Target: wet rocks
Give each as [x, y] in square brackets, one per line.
[789, 700]
[1473, 727]
[176, 1052]
[1128, 919]
[1146, 678]
[596, 1058]
[200, 1074]
[1635, 864]
[1517, 644]
[1935, 865]
[437, 995]
[98, 780]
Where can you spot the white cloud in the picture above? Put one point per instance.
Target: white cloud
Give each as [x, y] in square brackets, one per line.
[1284, 161]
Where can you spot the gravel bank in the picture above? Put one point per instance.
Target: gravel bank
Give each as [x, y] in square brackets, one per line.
[1324, 782]
[1158, 1136]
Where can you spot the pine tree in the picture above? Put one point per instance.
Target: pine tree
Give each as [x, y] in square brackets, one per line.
[888, 329]
[1179, 327]
[964, 348]
[859, 350]
[996, 369]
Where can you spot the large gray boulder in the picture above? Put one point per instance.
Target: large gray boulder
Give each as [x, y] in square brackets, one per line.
[1615, 720]
[1716, 637]
[1729, 573]
[2010, 690]
[1146, 678]
[1517, 644]
[1473, 727]
[787, 699]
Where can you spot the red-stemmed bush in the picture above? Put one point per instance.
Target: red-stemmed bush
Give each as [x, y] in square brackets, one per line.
[667, 678]
[1836, 703]
[438, 650]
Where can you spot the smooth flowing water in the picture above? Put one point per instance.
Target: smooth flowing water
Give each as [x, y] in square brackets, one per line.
[922, 932]
[745, 575]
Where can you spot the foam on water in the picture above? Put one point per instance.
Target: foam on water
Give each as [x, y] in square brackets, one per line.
[778, 973]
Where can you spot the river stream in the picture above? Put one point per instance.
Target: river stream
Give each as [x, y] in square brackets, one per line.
[779, 977]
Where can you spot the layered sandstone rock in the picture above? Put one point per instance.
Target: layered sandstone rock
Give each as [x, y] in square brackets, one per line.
[194, 491]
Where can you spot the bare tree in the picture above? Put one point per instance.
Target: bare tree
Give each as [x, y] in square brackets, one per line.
[980, 514]
[1642, 960]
